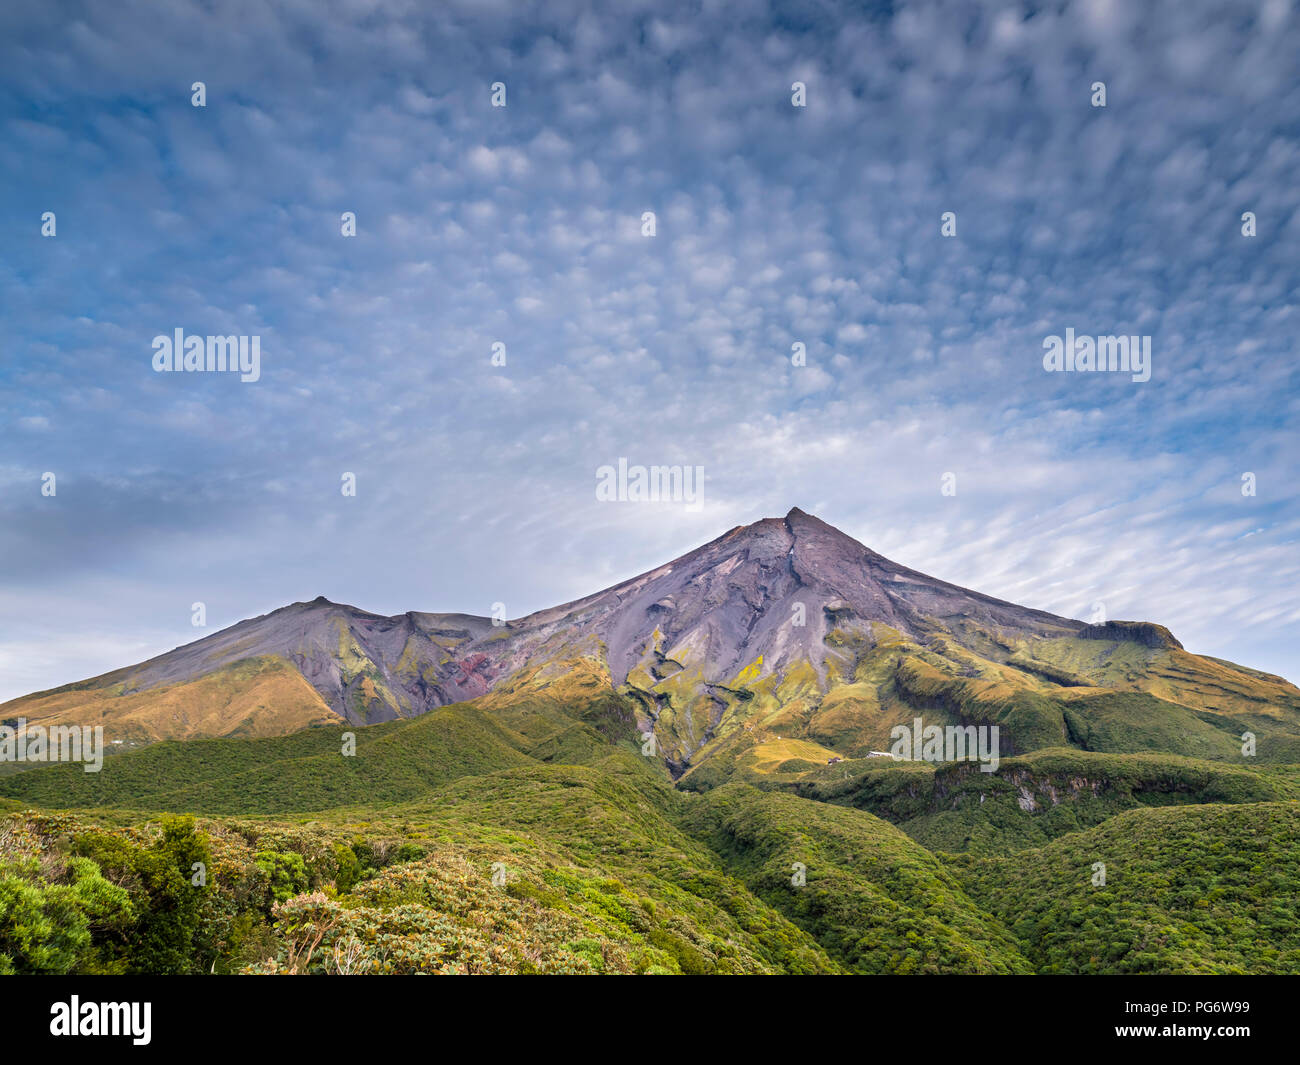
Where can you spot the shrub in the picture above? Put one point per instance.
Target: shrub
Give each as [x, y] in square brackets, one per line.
[45, 927]
[347, 868]
[286, 871]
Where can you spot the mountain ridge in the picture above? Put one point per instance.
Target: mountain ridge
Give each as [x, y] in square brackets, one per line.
[785, 627]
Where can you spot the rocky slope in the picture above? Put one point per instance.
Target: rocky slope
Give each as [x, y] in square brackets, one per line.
[782, 631]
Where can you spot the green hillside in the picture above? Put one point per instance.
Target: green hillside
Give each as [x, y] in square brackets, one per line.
[1200, 889]
[529, 833]
[874, 898]
[592, 878]
[393, 762]
[1033, 798]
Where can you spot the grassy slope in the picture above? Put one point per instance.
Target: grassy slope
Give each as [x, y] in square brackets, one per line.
[1105, 696]
[255, 697]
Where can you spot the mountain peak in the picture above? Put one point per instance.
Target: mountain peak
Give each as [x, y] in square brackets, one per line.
[796, 527]
[763, 598]
[803, 526]
[768, 618]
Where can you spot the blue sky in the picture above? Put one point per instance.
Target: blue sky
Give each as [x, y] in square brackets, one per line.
[522, 224]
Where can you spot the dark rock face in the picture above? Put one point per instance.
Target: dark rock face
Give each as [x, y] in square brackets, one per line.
[771, 590]
[1146, 633]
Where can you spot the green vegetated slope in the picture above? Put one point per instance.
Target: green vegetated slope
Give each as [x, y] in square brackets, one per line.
[393, 762]
[537, 838]
[538, 869]
[601, 839]
[1095, 695]
[1032, 798]
[874, 898]
[1199, 889]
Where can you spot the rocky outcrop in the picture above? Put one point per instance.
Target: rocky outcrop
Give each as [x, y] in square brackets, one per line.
[1146, 633]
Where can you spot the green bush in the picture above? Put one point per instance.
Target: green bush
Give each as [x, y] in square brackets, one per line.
[407, 852]
[286, 871]
[46, 927]
[171, 907]
[347, 868]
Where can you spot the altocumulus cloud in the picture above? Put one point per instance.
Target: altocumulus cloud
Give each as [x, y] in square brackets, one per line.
[521, 225]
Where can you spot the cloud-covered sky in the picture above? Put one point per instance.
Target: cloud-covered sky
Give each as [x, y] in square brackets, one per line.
[521, 224]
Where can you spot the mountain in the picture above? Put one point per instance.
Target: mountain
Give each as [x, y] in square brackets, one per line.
[775, 648]
[504, 811]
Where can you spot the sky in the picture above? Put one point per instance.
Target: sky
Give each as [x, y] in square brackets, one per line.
[522, 225]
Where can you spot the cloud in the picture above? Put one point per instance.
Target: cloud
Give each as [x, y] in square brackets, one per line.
[522, 225]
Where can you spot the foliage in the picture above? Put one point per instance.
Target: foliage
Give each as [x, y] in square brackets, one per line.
[287, 873]
[47, 917]
[1033, 798]
[871, 896]
[536, 839]
[1202, 889]
[171, 907]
